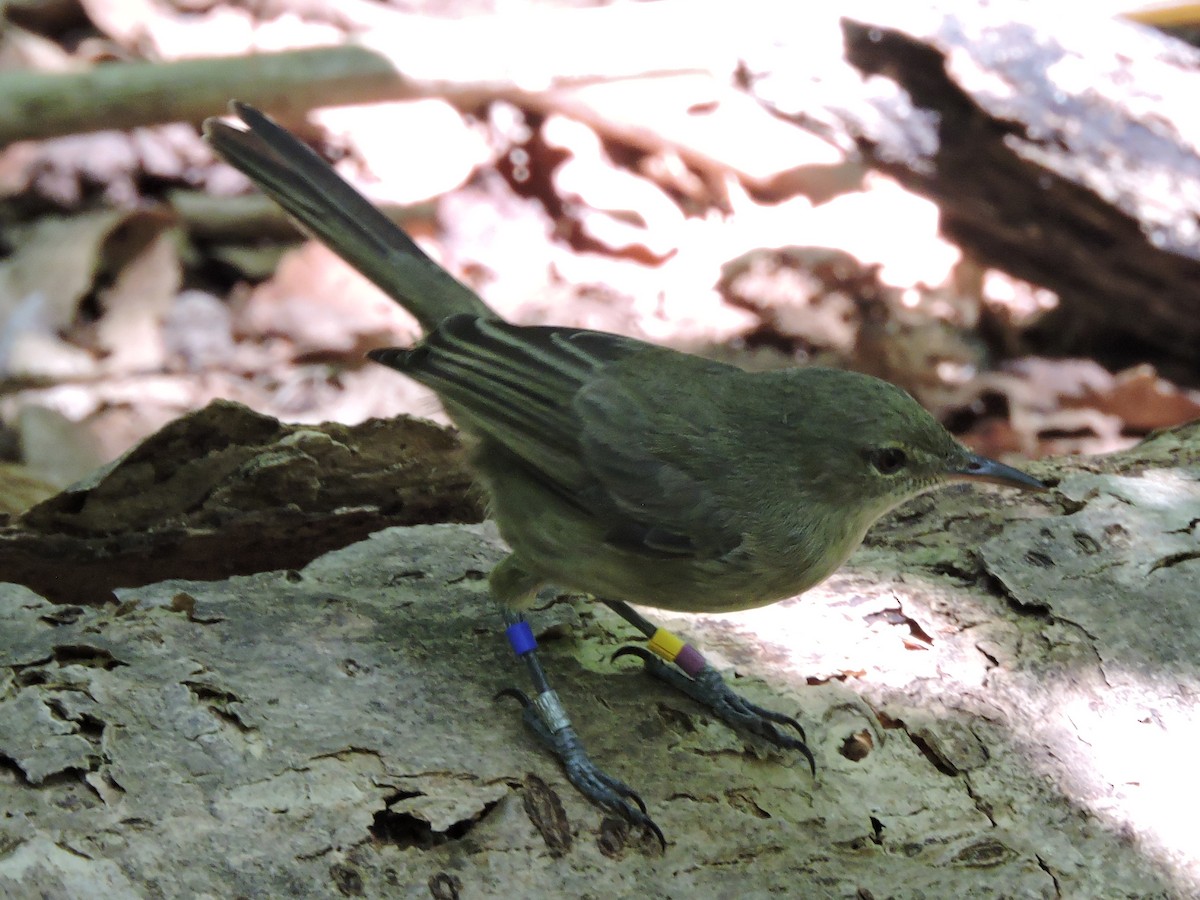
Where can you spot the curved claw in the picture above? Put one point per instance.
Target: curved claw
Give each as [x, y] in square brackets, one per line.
[641, 653]
[634, 816]
[657, 832]
[769, 714]
[612, 794]
[603, 789]
[812, 763]
[627, 792]
[520, 696]
[710, 689]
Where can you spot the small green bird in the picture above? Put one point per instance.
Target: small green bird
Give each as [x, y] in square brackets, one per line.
[627, 471]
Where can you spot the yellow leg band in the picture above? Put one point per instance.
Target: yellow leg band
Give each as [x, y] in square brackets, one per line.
[666, 645]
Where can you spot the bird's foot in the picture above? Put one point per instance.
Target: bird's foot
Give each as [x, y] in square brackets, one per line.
[708, 688]
[604, 790]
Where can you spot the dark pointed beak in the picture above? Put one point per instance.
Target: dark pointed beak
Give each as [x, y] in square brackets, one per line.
[980, 468]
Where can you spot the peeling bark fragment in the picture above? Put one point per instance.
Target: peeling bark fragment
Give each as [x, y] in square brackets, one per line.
[41, 742]
[545, 811]
[1118, 571]
[444, 886]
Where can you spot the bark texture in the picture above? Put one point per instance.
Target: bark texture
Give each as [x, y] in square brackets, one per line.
[1000, 692]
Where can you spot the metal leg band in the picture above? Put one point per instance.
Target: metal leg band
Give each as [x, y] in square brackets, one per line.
[551, 711]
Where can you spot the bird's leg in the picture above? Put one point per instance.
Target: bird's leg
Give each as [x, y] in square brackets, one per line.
[691, 674]
[545, 716]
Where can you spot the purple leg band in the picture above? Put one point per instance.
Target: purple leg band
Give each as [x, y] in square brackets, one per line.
[690, 660]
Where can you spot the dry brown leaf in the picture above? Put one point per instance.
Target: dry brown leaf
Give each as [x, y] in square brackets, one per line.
[160, 30]
[998, 439]
[67, 169]
[198, 331]
[127, 23]
[164, 30]
[1046, 406]
[502, 240]
[886, 225]
[289, 31]
[64, 169]
[1065, 378]
[416, 150]
[57, 449]
[31, 348]
[25, 50]
[1142, 400]
[622, 212]
[20, 489]
[669, 170]
[129, 330]
[68, 430]
[808, 293]
[716, 129]
[53, 266]
[172, 151]
[1021, 303]
[41, 285]
[56, 264]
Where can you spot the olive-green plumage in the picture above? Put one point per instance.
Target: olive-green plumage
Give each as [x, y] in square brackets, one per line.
[623, 469]
[639, 473]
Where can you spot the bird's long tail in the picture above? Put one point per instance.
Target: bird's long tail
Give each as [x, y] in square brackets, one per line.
[326, 206]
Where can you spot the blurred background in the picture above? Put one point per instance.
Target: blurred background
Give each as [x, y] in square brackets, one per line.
[667, 189]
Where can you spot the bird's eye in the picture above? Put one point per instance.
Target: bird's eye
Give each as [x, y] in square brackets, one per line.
[888, 460]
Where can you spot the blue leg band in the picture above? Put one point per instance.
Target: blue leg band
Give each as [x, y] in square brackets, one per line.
[520, 638]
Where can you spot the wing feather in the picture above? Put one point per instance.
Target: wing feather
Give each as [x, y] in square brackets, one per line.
[571, 406]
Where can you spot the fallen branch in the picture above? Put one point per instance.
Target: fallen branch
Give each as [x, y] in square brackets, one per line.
[465, 61]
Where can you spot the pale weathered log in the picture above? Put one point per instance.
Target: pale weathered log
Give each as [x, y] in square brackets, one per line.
[1000, 691]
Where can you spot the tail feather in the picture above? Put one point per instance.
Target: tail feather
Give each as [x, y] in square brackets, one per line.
[514, 384]
[326, 206]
